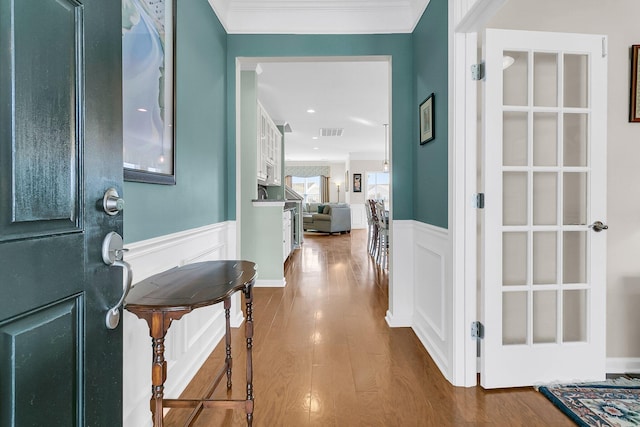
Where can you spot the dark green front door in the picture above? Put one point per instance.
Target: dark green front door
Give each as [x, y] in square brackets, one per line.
[60, 150]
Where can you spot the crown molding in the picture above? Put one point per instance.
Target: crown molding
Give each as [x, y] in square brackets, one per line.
[318, 17]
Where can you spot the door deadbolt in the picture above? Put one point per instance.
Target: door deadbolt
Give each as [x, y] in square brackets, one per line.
[112, 203]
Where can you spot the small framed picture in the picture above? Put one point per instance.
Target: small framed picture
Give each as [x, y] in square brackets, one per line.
[634, 107]
[427, 130]
[357, 183]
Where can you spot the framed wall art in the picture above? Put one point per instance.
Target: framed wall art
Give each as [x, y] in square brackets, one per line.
[148, 90]
[634, 105]
[357, 183]
[346, 181]
[427, 130]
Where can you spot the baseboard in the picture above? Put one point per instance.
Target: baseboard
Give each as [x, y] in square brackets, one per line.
[432, 347]
[237, 320]
[264, 283]
[398, 321]
[623, 365]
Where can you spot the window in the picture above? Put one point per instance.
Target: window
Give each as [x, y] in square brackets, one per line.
[307, 187]
[378, 186]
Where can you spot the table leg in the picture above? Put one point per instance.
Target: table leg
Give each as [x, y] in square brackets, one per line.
[228, 359]
[248, 293]
[158, 368]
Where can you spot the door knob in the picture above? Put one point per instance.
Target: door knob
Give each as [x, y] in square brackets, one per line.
[598, 226]
[112, 203]
[112, 254]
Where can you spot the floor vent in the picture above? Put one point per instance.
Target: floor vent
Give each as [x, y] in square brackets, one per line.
[331, 131]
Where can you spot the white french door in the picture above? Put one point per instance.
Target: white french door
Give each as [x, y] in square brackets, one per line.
[544, 172]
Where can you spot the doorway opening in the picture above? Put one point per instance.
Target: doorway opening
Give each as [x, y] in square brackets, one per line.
[335, 116]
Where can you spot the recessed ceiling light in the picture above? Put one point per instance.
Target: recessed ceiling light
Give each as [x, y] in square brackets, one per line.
[142, 110]
[314, 137]
[316, 148]
[311, 111]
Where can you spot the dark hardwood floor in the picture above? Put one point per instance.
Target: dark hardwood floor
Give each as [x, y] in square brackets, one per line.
[324, 356]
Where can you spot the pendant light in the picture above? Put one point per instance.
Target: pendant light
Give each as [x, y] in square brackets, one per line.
[385, 165]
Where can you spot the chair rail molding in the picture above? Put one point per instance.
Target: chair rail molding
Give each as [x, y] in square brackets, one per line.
[193, 337]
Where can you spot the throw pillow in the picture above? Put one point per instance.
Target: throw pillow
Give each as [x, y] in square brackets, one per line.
[320, 208]
[326, 210]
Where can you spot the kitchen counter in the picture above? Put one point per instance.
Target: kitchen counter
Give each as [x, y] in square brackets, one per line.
[268, 203]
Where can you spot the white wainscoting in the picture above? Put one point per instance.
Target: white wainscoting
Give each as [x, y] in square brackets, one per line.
[358, 216]
[432, 295]
[400, 313]
[420, 290]
[190, 339]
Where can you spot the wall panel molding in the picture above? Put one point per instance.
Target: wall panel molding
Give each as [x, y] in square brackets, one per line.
[420, 293]
[432, 293]
[358, 216]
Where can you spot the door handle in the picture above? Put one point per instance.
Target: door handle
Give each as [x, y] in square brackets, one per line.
[112, 254]
[598, 226]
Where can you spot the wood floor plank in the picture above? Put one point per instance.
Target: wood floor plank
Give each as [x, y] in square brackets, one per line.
[325, 356]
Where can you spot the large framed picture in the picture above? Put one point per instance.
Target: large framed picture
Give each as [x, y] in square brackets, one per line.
[148, 97]
[427, 130]
[634, 108]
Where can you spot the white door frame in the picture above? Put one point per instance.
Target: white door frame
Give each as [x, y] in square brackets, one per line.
[466, 18]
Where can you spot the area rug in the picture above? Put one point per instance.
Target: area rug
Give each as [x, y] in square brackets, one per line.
[614, 403]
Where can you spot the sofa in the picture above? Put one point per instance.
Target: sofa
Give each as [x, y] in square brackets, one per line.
[327, 218]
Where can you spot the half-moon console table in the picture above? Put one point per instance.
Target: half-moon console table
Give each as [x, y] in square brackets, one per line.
[168, 296]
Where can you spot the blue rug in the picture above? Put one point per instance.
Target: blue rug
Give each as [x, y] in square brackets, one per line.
[614, 403]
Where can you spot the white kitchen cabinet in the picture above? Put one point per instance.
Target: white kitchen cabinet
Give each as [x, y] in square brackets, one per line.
[269, 149]
[287, 235]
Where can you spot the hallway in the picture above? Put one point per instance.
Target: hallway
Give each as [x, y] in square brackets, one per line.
[324, 356]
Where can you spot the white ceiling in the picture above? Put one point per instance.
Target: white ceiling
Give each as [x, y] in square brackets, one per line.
[351, 95]
[318, 16]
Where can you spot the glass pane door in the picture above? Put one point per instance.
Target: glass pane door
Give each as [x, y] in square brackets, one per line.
[542, 113]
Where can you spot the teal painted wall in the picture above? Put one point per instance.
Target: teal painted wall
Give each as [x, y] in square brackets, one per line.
[205, 122]
[430, 167]
[398, 46]
[200, 196]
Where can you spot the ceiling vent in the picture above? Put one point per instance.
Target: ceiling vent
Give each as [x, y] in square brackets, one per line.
[331, 131]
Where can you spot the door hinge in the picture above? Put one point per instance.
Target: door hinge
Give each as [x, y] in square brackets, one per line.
[604, 47]
[477, 330]
[477, 71]
[478, 200]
